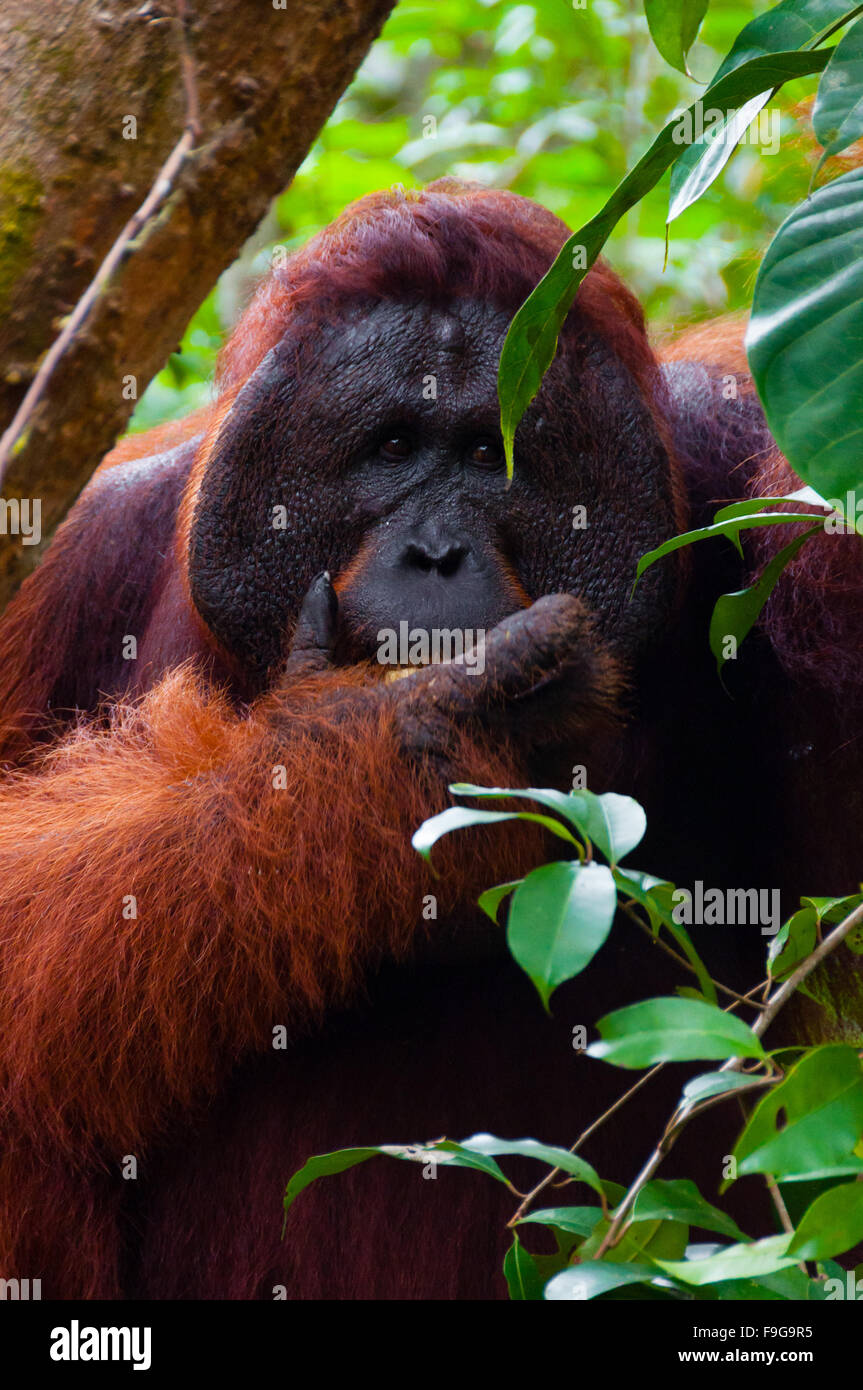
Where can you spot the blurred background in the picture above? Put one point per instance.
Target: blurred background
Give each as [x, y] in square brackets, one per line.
[551, 100]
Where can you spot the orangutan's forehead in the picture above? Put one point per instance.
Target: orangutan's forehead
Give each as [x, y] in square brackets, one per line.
[411, 338]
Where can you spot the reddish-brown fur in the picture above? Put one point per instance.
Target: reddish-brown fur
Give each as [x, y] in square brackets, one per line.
[111, 1025]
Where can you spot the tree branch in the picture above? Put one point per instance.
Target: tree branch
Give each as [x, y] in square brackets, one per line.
[163, 185]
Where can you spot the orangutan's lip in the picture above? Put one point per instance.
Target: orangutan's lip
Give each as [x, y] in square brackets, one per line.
[398, 673]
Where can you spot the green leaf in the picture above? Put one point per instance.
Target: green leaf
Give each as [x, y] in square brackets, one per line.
[443, 1151]
[717, 1083]
[787, 1285]
[701, 163]
[745, 1261]
[492, 898]
[853, 1168]
[323, 1166]
[729, 528]
[684, 941]
[559, 917]
[457, 1155]
[523, 1279]
[834, 909]
[673, 26]
[461, 818]
[578, 1221]
[678, 1199]
[791, 1285]
[528, 1274]
[734, 615]
[486, 1145]
[654, 895]
[634, 883]
[532, 336]
[794, 24]
[805, 336]
[595, 1277]
[832, 1225]
[672, 1030]
[810, 1121]
[794, 941]
[615, 824]
[798, 1196]
[654, 1237]
[753, 505]
[837, 116]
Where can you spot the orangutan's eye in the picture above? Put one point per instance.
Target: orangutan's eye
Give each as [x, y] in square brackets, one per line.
[486, 453]
[396, 448]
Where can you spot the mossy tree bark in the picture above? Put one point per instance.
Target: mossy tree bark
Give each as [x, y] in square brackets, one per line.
[70, 77]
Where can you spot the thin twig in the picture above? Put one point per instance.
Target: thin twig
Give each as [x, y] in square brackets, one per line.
[187, 69]
[621, 1100]
[630, 909]
[779, 1204]
[582, 1138]
[162, 186]
[782, 1212]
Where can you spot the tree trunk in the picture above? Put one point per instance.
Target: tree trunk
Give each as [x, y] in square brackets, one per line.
[70, 177]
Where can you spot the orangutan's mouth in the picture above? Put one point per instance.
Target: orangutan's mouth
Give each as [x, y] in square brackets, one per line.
[397, 673]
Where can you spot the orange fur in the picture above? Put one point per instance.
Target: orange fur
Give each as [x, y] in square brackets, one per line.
[112, 1025]
[159, 439]
[719, 343]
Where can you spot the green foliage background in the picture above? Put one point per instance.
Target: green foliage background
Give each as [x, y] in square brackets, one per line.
[553, 101]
